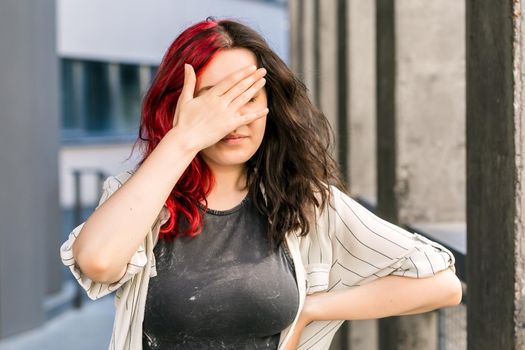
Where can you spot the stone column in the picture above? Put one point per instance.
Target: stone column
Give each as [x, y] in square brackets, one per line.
[30, 223]
[420, 131]
[495, 190]
[295, 38]
[361, 98]
[308, 29]
[327, 49]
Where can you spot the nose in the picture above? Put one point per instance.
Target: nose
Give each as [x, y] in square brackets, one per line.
[247, 108]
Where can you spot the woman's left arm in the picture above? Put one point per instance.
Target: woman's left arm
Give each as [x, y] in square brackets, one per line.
[384, 297]
[387, 296]
[371, 268]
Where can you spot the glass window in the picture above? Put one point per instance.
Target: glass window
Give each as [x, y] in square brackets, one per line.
[97, 101]
[102, 99]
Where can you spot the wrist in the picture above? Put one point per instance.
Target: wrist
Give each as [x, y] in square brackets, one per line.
[182, 141]
[308, 313]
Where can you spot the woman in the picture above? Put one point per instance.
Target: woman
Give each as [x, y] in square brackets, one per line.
[235, 230]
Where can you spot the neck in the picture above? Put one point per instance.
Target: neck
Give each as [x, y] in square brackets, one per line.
[229, 179]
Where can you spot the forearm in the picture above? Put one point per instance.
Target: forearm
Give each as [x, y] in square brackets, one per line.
[386, 296]
[115, 230]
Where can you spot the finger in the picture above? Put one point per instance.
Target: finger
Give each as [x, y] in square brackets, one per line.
[250, 117]
[242, 99]
[244, 84]
[188, 89]
[226, 84]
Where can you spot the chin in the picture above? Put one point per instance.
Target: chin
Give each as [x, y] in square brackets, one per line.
[227, 159]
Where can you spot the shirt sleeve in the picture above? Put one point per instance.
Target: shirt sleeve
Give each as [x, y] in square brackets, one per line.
[96, 290]
[366, 246]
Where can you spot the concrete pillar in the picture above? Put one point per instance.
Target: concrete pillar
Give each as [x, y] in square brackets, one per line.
[420, 131]
[294, 17]
[327, 48]
[495, 189]
[317, 56]
[361, 97]
[308, 29]
[30, 223]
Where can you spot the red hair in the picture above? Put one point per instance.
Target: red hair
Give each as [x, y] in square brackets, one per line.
[196, 45]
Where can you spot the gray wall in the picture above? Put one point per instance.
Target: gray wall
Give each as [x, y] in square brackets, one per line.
[29, 212]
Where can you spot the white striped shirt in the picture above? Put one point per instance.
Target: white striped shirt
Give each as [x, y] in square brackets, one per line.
[349, 246]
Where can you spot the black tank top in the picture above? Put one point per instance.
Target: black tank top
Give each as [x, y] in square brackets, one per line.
[223, 289]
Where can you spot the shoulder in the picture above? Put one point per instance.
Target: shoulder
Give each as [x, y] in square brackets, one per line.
[340, 205]
[324, 215]
[335, 197]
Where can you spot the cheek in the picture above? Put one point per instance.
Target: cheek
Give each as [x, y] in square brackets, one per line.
[258, 127]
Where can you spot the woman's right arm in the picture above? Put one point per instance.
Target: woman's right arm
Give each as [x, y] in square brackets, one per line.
[115, 230]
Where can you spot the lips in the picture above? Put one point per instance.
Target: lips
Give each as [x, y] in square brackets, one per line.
[234, 140]
[233, 137]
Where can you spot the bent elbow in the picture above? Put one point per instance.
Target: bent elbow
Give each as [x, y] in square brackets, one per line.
[96, 270]
[457, 295]
[91, 268]
[100, 273]
[456, 291]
